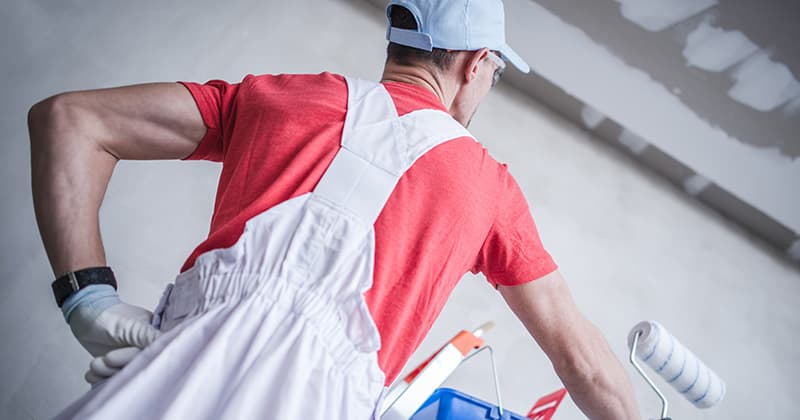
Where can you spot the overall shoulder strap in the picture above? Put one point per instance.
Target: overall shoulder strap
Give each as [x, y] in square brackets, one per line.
[377, 147]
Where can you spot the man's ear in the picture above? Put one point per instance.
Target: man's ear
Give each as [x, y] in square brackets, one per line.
[472, 64]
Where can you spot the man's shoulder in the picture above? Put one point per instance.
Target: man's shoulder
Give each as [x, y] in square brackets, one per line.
[288, 80]
[326, 90]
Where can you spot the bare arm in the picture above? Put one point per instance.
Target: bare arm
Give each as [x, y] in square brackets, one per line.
[579, 353]
[77, 139]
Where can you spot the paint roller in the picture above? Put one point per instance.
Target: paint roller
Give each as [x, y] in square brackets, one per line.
[657, 348]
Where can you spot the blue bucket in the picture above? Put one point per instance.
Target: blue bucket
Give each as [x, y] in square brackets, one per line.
[446, 403]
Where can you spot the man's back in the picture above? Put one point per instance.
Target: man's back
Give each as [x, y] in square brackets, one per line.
[456, 209]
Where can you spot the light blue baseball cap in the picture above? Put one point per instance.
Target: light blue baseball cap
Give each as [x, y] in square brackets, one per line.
[461, 25]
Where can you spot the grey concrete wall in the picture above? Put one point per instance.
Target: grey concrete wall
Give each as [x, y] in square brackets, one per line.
[631, 246]
[704, 92]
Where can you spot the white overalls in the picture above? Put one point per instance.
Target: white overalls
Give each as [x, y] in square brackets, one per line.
[276, 326]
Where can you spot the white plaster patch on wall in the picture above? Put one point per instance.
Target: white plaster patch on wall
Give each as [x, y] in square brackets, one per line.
[794, 250]
[634, 143]
[715, 49]
[656, 15]
[695, 184]
[591, 117]
[763, 84]
[762, 177]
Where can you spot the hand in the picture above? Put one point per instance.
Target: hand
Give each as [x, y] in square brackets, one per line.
[116, 326]
[103, 367]
[109, 329]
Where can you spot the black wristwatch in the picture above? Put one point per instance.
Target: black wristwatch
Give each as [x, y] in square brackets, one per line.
[73, 281]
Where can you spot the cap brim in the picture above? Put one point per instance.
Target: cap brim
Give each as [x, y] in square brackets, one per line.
[512, 57]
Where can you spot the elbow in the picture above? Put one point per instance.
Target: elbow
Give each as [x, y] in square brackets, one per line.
[44, 115]
[37, 116]
[55, 120]
[43, 110]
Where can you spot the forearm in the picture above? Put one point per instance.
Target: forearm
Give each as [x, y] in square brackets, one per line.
[69, 173]
[579, 352]
[597, 382]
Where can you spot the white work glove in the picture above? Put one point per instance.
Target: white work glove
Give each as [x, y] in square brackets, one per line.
[104, 367]
[110, 330]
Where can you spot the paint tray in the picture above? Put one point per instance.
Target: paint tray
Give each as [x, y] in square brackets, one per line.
[449, 404]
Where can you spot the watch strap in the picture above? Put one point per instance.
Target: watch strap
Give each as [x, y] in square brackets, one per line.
[73, 281]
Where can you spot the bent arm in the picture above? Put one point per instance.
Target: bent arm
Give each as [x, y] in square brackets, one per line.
[76, 140]
[579, 353]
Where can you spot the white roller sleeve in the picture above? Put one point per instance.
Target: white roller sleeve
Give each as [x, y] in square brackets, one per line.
[677, 365]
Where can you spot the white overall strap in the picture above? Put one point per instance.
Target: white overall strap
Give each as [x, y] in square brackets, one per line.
[378, 147]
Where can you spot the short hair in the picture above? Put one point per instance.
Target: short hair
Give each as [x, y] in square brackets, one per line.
[400, 17]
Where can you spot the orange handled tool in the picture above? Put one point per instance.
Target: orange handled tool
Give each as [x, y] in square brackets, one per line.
[403, 400]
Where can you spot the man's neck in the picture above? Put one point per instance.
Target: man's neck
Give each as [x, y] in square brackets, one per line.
[420, 77]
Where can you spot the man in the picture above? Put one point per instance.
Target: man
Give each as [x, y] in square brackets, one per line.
[345, 215]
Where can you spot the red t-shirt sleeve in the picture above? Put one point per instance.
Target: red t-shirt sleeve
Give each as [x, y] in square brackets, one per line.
[215, 100]
[513, 253]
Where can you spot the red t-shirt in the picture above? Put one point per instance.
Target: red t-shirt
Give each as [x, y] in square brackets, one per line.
[455, 210]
